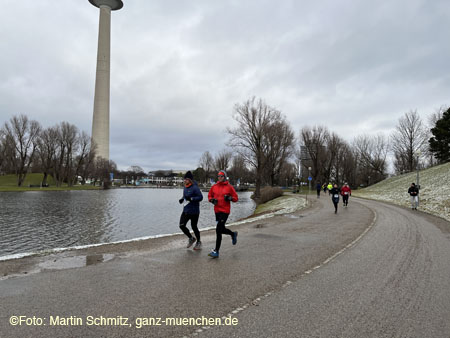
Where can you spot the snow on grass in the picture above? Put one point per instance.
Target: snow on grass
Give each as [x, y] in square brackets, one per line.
[434, 196]
[281, 205]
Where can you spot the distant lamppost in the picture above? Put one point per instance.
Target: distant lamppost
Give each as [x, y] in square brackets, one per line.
[309, 178]
[417, 178]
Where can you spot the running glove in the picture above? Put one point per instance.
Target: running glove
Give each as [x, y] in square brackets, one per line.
[213, 201]
[181, 200]
[228, 198]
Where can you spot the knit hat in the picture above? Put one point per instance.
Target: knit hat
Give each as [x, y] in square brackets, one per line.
[189, 176]
[224, 173]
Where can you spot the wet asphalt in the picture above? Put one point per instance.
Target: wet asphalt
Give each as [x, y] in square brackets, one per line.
[278, 281]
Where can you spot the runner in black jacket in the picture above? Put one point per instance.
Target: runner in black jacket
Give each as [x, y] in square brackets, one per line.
[413, 191]
[335, 192]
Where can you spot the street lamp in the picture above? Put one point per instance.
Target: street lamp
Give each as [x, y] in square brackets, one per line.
[309, 178]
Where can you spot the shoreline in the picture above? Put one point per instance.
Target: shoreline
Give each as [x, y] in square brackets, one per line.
[276, 210]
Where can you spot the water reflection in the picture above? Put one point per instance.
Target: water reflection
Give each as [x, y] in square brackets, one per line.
[95, 259]
[32, 221]
[73, 262]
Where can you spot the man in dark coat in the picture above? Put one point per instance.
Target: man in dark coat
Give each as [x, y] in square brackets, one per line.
[413, 191]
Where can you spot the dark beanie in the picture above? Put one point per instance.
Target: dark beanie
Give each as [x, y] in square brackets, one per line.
[189, 175]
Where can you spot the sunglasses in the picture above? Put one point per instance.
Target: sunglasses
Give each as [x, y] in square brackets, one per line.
[220, 176]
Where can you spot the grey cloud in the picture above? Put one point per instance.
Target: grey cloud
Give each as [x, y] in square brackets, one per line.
[178, 68]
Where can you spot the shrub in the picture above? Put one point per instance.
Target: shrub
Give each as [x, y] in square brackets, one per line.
[268, 194]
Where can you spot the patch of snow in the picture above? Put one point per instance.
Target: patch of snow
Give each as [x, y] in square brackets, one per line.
[284, 205]
[434, 196]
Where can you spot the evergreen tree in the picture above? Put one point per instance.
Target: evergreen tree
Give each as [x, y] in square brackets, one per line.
[440, 142]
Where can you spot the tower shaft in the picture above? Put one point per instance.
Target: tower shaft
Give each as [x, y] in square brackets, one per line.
[100, 122]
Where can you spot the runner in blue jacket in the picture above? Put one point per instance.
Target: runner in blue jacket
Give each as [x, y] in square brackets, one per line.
[191, 211]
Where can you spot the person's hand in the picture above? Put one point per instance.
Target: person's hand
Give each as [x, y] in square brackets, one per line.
[213, 201]
[181, 200]
[228, 198]
[188, 198]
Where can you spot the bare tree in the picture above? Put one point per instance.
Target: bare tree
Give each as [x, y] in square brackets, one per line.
[21, 136]
[407, 140]
[135, 169]
[87, 168]
[248, 138]
[331, 169]
[222, 160]
[348, 165]
[206, 162]
[328, 155]
[371, 153]
[102, 170]
[84, 158]
[280, 141]
[436, 116]
[47, 145]
[287, 174]
[313, 151]
[67, 143]
[239, 169]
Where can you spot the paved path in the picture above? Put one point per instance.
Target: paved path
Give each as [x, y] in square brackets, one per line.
[392, 282]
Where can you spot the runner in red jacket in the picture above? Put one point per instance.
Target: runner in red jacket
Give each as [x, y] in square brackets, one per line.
[346, 192]
[221, 194]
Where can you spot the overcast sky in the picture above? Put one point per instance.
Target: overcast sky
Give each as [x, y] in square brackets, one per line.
[179, 67]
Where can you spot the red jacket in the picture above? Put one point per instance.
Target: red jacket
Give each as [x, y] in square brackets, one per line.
[346, 191]
[218, 191]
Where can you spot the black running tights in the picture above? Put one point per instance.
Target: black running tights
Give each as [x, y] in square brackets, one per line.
[335, 202]
[194, 220]
[345, 199]
[221, 219]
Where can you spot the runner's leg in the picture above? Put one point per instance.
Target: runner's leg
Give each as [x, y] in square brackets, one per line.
[184, 218]
[221, 219]
[194, 222]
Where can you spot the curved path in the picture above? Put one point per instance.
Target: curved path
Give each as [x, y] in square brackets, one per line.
[393, 283]
[307, 274]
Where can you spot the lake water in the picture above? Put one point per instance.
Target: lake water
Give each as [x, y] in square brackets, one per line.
[34, 221]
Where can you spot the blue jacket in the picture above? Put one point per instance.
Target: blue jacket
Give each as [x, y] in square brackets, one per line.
[193, 191]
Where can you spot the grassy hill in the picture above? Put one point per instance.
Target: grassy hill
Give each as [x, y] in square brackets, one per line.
[434, 190]
[33, 179]
[9, 183]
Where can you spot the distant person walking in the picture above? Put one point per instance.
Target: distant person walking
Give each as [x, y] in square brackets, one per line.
[335, 192]
[329, 187]
[319, 189]
[221, 194]
[413, 191]
[191, 211]
[346, 192]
